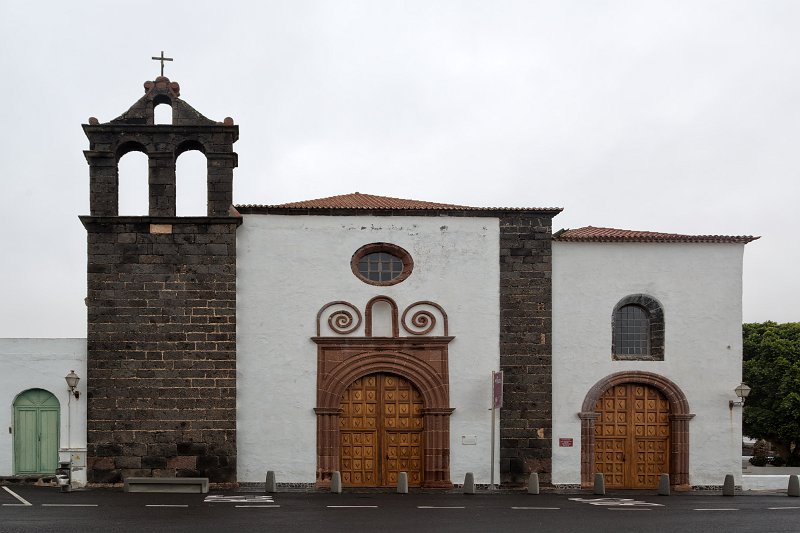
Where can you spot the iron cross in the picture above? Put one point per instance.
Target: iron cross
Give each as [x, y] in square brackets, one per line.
[162, 59]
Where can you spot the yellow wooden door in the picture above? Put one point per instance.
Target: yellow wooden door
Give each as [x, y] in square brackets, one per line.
[632, 436]
[380, 432]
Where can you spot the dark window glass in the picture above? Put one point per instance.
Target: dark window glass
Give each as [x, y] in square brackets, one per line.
[380, 266]
[631, 331]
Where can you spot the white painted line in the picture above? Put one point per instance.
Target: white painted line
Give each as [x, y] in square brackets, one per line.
[352, 506]
[163, 505]
[15, 505]
[627, 509]
[436, 507]
[70, 505]
[539, 508]
[259, 506]
[718, 509]
[22, 500]
[776, 508]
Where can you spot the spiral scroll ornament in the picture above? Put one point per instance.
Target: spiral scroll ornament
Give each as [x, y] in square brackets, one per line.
[423, 320]
[342, 321]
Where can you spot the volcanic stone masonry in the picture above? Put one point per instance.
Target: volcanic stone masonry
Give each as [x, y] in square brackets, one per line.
[526, 346]
[161, 302]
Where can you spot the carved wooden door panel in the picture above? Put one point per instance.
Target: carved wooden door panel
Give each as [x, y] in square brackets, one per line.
[402, 425]
[380, 432]
[358, 433]
[632, 436]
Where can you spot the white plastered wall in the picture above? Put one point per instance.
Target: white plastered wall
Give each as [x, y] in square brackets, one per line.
[700, 289]
[288, 267]
[42, 364]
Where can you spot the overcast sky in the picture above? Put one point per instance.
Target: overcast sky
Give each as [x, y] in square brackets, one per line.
[677, 116]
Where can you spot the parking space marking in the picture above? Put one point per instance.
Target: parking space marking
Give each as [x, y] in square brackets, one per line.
[23, 501]
[437, 507]
[164, 505]
[627, 509]
[69, 505]
[717, 509]
[259, 506]
[776, 508]
[352, 506]
[538, 508]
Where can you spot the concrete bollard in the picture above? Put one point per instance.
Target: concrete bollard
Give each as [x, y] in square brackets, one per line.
[270, 485]
[533, 483]
[336, 482]
[402, 483]
[728, 488]
[794, 486]
[599, 484]
[469, 483]
[663, 485]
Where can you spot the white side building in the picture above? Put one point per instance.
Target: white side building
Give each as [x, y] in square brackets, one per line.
[45, 421]
[647, 351]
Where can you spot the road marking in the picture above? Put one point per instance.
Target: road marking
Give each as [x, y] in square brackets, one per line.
[352, 506]
[238, 499]
[776, 508]
[616, 502]
[437, 507]
[22, 500]
[69, 505]
[627, 509]
[164, 505]
[717, 509]
[259, 506]
[538, 508]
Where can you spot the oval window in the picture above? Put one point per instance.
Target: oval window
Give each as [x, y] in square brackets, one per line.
[381, 263]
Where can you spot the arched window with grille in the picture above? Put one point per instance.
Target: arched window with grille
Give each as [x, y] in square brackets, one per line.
[637, 326]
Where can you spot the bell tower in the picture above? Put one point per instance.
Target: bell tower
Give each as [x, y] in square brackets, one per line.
[161, 301]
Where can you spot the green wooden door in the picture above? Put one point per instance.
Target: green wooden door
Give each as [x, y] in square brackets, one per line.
[36, 423]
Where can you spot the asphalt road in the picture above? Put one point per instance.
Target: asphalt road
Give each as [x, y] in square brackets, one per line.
[27, 508]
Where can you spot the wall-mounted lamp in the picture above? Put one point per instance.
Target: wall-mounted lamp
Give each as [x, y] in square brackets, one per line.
[742, 391]
[72, 380]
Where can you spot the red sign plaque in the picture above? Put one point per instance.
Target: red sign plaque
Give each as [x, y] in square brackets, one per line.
[565, 443]
[497, 390]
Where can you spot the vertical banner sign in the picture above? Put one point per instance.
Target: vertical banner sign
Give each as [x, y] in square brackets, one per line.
[497, 390]
[497, 403]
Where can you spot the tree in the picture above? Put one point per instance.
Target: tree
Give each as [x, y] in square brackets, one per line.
[772, 370]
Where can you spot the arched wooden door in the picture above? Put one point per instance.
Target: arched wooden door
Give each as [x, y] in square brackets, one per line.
[632, 436]
[36, 423]
[381, 432]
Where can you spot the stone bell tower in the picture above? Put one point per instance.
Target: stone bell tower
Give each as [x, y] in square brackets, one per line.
[161, 301]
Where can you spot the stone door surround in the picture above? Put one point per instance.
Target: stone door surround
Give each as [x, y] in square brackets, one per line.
[679, 424]
[345, 357]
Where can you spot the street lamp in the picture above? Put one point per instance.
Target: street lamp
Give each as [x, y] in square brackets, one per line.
[72, 380]
[742, 392]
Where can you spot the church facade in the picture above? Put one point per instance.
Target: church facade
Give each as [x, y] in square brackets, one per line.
[358, 334]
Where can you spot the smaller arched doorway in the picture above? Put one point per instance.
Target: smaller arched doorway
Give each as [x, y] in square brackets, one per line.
[381, 432]
[632, 435]
[36, 430]
[635, 426]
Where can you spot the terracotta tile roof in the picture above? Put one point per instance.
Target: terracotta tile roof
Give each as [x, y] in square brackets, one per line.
[592, 234]
[359, 201]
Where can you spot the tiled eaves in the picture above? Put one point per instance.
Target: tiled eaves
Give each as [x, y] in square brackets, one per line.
[594, 234]
[424, 212]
